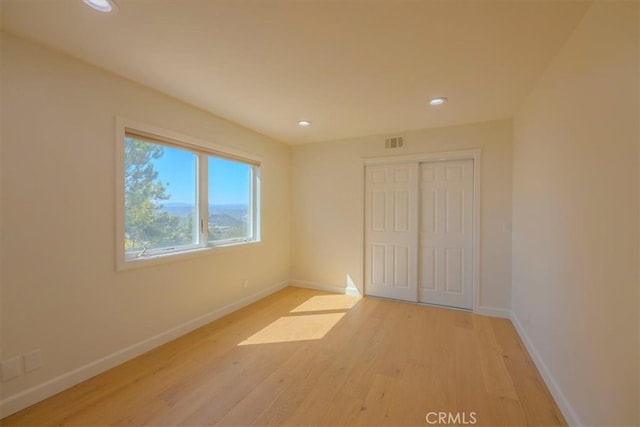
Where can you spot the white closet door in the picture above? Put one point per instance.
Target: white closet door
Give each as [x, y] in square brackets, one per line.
[446, 233]
[391, 231]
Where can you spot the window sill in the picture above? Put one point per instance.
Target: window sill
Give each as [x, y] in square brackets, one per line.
[147, 261]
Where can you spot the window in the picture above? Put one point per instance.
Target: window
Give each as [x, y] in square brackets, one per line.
[181, 196]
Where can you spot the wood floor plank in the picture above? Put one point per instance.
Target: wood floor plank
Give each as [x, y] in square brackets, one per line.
[494, 371]
[304, 357]
[533, 395]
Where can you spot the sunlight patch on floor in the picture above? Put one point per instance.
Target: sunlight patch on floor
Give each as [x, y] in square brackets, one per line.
[327, 302]
[295, 328]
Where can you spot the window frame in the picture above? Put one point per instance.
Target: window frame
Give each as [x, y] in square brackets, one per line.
[203, 150]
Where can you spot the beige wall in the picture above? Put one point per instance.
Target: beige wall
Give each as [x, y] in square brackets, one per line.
[327, 204]
[61, 292]
[1, 192]
[575, 211]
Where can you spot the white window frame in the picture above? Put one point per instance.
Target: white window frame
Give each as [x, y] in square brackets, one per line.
[202, 149]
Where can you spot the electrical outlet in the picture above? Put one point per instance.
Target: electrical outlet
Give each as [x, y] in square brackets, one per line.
[32, 361]
[245, 283]
[11, 369]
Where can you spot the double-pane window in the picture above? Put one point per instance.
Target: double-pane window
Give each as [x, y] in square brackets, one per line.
[180, 198]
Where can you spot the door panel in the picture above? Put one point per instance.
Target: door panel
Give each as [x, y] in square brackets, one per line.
[391, 231]
[377, 264]
[378, 211]
[401, 266]
[446, 239]
[401, 211]
[453, 270]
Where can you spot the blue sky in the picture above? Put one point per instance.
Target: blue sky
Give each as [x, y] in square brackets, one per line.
[228, 181]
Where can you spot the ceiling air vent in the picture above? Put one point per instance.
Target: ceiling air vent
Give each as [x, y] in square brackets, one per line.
[394, 142]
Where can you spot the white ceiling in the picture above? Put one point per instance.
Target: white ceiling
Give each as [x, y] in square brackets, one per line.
[353, 68]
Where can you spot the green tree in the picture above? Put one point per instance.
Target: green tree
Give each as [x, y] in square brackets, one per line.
[146, 223]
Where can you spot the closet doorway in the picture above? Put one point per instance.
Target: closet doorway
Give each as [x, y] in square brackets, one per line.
[420, 236]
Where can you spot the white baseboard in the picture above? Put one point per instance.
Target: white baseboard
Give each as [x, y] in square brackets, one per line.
[42, 391]
[567, 410]
[493, 312]
[325, 287]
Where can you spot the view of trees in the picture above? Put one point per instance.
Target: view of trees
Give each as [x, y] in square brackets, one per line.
[147, 224]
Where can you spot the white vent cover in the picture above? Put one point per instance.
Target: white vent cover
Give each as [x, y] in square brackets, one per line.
[394, 142]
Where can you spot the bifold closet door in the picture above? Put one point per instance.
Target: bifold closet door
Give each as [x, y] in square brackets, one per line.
[391, 231]
[446, 233]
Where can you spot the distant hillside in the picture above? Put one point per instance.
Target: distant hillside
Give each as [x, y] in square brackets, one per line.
[234, 212]
[224, 220]
[179, 209]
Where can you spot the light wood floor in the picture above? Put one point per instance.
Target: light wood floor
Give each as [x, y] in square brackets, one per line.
[302, 357]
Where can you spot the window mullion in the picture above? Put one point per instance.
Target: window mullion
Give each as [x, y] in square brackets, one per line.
[252, 203]
[203, 196]
[256, 200]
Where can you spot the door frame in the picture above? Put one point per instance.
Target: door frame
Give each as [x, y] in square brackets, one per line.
[476, 155]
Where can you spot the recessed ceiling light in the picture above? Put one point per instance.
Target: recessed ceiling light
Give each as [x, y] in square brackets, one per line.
[304, 123]
[437, 101]
[101, 5]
